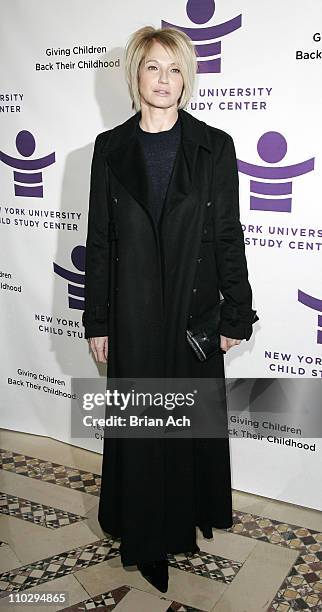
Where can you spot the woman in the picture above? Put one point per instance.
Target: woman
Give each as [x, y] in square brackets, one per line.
[170, 183]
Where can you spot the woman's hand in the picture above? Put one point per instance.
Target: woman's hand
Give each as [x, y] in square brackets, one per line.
[227, 343]
[99, 347]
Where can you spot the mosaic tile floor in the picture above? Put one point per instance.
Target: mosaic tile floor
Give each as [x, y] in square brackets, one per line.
[51, 568]
[32, 467]
[300, 587]
[40, 514]
[109, 601]
[44, 570]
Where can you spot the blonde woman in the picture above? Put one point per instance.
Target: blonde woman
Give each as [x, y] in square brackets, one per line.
[177, 241]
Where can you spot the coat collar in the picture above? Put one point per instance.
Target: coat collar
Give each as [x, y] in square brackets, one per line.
[124, 156]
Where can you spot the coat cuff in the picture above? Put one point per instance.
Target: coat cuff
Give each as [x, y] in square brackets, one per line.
[95, 324]
[241, 331]
[237, 323]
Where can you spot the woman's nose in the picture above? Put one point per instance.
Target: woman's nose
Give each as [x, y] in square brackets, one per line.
[163, 78]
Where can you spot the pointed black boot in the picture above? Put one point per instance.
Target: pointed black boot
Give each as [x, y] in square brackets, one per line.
[157, 573]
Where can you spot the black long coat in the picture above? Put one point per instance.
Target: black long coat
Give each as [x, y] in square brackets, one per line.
[155, 491]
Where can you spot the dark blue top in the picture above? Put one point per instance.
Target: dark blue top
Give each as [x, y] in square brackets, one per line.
[160, 149]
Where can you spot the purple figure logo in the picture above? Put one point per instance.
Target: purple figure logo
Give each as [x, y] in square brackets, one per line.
[201, 11]
[27, 183]
[76, 280]
[315, 304]
[272, 148]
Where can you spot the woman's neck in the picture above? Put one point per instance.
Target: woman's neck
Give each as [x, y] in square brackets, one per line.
[157, 122]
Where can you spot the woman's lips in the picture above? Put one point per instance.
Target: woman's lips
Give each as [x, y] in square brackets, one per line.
[161, 92]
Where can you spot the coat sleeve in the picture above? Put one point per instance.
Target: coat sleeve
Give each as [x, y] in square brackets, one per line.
[95, 315]
[229, 245]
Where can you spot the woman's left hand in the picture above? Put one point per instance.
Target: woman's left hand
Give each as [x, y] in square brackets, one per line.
[227, 343]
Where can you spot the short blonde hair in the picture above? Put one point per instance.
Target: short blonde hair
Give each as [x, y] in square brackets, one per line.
[176, 41]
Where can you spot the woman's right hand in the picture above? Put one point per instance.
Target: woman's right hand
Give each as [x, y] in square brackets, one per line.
[99, 347]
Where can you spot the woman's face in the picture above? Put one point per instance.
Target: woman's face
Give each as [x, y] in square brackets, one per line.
[160, 78]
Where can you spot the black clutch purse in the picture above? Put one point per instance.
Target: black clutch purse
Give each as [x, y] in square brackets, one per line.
[204, 337]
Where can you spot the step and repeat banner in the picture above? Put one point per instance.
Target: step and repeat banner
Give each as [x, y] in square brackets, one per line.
[259, 79]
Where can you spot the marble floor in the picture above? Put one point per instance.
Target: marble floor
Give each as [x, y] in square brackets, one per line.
[52, 547]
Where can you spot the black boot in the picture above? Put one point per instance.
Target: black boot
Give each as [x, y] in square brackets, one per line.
[206, 530]
[157, 573]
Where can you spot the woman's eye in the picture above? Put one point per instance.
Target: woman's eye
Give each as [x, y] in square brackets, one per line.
[176, 69]
[151, 67]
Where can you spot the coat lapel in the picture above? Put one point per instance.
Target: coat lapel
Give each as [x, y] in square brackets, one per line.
[126, 160]
[182, 178]
[128, 164]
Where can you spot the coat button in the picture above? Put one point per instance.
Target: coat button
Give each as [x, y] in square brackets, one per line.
[190, 316]
[194, 290]
[115, 200]
[209, 203]
[205, 231]
[199, 259]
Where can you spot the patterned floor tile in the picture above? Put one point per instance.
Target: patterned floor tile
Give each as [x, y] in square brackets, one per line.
[45, 570]
[272, 531]
[109, 601]
[207, 565]
[302, 587]
[201, 563]
[39, 514]
[105, 601]
[48, 471]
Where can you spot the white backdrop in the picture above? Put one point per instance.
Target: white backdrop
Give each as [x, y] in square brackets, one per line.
[57, 92]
